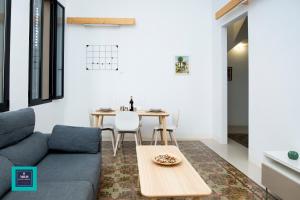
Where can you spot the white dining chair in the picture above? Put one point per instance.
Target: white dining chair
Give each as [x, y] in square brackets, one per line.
[105, 127]
[126, 122]
[140, 131]
[171, 128]
[110, 128]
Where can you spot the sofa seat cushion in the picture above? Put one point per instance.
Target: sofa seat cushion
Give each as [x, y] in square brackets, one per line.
[70, 167]
[75, 190]
[29, 151]
[15, 126]
[5, 175]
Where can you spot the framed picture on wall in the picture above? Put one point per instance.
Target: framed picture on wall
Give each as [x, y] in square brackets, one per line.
[182, 65]
[229, 74]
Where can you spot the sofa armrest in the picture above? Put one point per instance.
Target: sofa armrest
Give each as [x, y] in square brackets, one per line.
[75, 139]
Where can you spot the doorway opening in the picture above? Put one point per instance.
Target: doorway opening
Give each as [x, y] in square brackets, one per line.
[237, 85]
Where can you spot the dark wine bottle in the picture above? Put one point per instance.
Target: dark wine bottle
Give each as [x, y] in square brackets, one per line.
[131, 104]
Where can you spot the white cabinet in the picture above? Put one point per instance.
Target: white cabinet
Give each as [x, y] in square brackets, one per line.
[281, 175]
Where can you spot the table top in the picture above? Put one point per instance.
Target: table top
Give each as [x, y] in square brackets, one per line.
[160, 181]
[140, 113]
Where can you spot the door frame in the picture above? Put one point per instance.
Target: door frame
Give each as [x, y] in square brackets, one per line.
[222, 134]
[227, 83]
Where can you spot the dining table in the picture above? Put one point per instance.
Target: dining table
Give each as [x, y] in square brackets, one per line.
[161, 115]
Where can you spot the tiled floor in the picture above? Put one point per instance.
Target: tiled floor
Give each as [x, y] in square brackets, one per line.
[237, 155]
[119, 179]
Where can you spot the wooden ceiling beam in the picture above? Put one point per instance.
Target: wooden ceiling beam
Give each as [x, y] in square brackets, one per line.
[106, 21]
[228, 7]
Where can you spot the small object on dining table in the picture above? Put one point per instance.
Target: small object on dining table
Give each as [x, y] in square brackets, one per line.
[105, 109]
[155, 110]
[131, 107]
[166, 159]
[123, 108]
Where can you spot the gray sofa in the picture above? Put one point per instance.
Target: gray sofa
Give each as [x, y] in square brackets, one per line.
[68, 160]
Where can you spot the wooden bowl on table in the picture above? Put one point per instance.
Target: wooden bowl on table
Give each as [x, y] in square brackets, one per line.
[166, 159]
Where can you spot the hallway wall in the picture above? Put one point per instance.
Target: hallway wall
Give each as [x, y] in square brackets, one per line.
[238, 87]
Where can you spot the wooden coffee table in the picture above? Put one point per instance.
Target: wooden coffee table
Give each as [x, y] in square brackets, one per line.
[158, 181]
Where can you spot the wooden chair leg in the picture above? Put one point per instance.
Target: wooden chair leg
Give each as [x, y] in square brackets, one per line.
[155, 142]
[113, 139]
[161, 137]
[140, 137]
[117, 144]
[172, 136]
[136, 139]
[152, 140]
[121, 140]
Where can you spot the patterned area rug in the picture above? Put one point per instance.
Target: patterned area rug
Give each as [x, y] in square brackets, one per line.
[119, 179]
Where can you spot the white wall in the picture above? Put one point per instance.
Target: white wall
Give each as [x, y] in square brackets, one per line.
[164, 29]
[274, 70]
[47, 115]
[274, 81]
[238, 87]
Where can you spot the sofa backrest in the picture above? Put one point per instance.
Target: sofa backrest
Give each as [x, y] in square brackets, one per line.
[29, 151]
[5, 175]
[15, 126]
[19, 146]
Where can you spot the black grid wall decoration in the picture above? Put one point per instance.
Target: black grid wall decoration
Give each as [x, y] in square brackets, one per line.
[102, 57]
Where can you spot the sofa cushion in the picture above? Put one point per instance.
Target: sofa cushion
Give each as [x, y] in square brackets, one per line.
[70, 167]
[29, 151]
[5, 175]
[79, 190]
[15, 126]
[75, 139]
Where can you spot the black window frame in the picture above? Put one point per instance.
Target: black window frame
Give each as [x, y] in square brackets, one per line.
[31, 101]
[54, 91]
[52, 55]
[5, 105]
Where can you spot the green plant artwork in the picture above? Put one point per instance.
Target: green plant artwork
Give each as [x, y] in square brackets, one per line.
[182, 65]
